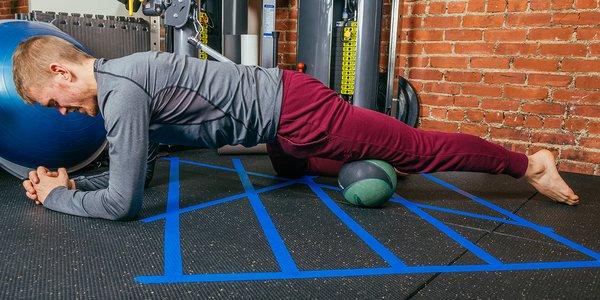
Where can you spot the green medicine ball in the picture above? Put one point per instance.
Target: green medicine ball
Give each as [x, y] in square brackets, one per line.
[367, 182]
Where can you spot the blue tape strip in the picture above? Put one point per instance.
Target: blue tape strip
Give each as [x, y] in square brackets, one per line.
[189, 162]
[549, 232]
[463, 213]
[282, 255]
[217, 202]
[381, 250]
[451, 233]
[173, 262]
[364, 272]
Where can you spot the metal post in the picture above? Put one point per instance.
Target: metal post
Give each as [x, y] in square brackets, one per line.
[268, 46]
[391, 72]
[367, 58]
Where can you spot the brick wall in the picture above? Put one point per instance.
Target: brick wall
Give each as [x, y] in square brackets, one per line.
[8, 8]
[525, 74]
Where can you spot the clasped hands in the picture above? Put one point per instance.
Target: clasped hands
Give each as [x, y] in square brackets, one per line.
[42, 181]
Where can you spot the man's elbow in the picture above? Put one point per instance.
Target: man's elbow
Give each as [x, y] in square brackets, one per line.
[123, 210]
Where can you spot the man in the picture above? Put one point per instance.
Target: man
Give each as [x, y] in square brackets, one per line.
[150, 98]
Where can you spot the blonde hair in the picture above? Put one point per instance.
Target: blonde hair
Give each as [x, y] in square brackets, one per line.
[32, 58]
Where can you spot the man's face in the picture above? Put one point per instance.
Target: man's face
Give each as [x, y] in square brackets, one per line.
[65, 98]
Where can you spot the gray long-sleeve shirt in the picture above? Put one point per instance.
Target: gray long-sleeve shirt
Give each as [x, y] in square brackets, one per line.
[149, 98]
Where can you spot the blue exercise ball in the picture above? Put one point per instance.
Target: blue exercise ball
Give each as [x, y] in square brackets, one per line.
[32, 135]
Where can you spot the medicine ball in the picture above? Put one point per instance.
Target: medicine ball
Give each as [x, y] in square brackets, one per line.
[367, 182]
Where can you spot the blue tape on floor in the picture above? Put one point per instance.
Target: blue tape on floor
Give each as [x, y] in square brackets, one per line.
[172, 251]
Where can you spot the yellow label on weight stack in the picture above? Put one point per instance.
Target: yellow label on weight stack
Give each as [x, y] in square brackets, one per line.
[349, 58]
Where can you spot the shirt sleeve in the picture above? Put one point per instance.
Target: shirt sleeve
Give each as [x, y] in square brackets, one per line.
[126, 117]
[100, 181]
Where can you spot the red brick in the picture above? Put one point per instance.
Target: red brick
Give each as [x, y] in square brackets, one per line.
[581, 65]
[562, 4]
[525, 93]
[411, 48]
[576, 167]
[463, 35]
[510, 134]
[425, 35]
[437, 8]
[517, 5]
[456, 7]
[474, 115]
[514, 120]
[588, 82]
[438, 113]
[528, 19]
[475, 6]
[426, 74]
[584, 33]
[576, 18]
[496, 5]
[575, 124]
[418, 62]
[465, 101]
[463, 76]
[564, 49]
[418, 8]
[536, 64]
[505, 35]
[594, 127]
[590, 143]
[504, 105]
[515, 78]
[412, 22]
[443, 88]
[544, 108]
[494, 117]
[441, 22]
[533, 122]
[475, 48]
[577, 96]
[456, 115]
[590, 111]
[449, 62]
[540, 4]
[437, 48]
[579, 154]
[584, 4]
[553, 123]
[552, 138]
[595, 49]
[550, 34]
[490, 62]
[485, 21]
[439, 126]
[436, 100]
[516, 49]
[481, 90]
[474, 129]
[549, 80]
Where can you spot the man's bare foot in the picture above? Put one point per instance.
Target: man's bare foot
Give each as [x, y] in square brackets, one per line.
[543, 175]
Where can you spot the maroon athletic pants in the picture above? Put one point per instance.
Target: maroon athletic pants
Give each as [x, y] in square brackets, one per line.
[319, 131]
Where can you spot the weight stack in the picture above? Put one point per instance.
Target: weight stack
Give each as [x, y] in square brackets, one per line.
[107, 37]
[344, 57]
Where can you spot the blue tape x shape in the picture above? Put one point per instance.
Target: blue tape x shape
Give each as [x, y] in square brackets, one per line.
[173, 263]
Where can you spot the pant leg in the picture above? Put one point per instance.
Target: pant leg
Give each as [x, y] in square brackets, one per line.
[292, 167]
[316, 122]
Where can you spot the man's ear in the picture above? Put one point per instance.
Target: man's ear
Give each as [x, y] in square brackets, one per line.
[61, 70]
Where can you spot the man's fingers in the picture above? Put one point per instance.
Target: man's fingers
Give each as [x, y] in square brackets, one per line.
[62, 172]
[31, 196]
[42, 172]
[34, 177]
[28, 187]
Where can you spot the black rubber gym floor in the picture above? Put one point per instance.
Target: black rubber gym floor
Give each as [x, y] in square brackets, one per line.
[226, 227]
